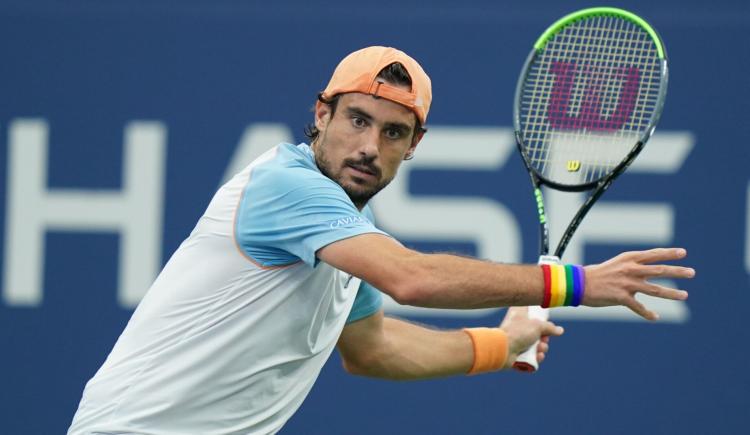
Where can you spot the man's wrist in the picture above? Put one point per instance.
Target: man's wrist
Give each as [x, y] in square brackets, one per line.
[564, 285]
[490, 349]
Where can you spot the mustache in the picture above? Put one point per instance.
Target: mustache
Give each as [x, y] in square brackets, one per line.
[365, 165]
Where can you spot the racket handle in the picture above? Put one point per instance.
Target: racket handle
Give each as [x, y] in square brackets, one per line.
[526, 361]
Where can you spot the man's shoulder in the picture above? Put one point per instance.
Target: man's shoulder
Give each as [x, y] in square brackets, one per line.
[289, 156]
[301, 152]
[293, 167]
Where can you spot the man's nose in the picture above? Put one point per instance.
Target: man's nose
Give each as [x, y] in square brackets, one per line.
[370, 145]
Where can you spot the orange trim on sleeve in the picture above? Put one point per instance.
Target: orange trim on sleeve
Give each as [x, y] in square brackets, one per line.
[490, 349]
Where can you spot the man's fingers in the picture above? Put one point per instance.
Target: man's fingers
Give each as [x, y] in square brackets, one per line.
[663, 292]
[615, 281]
[666, 271]
[660, 254]
[549, 328]
[540, 357]
[641, 310]
[542, 347]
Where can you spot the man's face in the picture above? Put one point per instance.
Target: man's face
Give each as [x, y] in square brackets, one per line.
[362, 145]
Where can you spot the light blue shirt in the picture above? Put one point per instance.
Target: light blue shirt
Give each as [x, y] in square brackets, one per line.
[290, 210]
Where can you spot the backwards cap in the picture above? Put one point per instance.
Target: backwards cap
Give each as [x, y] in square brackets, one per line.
[358, 72]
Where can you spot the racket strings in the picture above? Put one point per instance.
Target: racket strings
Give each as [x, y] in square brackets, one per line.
[589, 94]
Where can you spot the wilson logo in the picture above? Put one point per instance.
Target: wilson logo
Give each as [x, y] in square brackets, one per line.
[573, 165]
[590, 106]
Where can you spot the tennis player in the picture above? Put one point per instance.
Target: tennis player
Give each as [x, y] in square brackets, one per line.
[287, 263]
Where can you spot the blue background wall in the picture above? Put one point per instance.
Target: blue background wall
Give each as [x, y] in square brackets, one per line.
[207, 70]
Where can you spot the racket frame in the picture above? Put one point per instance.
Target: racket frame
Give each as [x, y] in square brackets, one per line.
[597, 187]
[527, 360]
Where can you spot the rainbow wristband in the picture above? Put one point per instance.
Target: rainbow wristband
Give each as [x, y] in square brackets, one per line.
[579, 282]
[564, 285]
[547, 285]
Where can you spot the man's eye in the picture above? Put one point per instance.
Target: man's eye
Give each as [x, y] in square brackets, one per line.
[358, 122]
[393, 133]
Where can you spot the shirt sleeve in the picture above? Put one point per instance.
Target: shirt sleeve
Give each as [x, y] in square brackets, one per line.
[288, 214]
[369, 300]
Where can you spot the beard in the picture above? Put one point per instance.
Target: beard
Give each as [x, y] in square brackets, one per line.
[357, 189]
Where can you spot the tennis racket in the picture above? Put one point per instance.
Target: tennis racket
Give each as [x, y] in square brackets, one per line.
[587, 100]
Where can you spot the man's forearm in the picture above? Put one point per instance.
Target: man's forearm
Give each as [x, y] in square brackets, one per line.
[435, 280]
[389, 348]
[449, 281]
[406, 351]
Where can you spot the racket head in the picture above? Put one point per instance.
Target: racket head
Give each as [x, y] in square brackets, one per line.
[589, 96]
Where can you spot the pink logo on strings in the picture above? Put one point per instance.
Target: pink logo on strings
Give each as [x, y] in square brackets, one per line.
[590, 113]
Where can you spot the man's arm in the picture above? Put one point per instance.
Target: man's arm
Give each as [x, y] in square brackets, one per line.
[384, 347]
[449, 281]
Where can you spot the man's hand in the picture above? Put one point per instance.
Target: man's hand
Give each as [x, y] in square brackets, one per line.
[616, 281]
[523, 332]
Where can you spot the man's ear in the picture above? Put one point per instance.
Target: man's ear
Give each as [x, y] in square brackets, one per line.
[417, 137]
[322, 115]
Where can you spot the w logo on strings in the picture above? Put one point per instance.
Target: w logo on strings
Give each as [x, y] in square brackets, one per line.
[590, 116]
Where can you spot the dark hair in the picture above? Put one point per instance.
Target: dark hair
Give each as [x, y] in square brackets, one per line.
[394, 73]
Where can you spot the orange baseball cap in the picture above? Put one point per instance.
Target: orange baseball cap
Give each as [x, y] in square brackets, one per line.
[358, 72]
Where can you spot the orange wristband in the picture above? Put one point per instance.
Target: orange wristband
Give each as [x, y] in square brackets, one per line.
[490, 349]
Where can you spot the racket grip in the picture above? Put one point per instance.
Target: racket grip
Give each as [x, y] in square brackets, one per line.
[526, 362]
